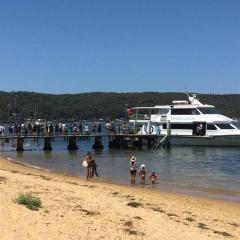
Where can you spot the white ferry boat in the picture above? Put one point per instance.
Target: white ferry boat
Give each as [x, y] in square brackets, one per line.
[187, 122]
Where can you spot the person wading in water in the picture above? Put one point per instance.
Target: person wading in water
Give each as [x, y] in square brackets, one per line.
[88, 164]
[133, 169]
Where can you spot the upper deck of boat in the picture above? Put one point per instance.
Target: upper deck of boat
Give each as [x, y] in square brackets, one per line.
[176, 106]
[192, 102]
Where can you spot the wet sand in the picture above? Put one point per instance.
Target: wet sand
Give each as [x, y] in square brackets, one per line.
[76, 209]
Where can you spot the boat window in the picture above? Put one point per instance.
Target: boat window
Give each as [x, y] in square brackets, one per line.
[195, 112]
[142, 114]
[163, 111]
[236, 125]
[181, 126]
[224, 126]
[144, 111]
[184, 111]
[211, 127]
[210, 110]
[154, 111]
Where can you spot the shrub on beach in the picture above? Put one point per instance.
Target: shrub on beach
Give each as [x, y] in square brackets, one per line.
[31, 202]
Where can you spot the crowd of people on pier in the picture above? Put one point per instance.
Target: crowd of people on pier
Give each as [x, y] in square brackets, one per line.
[41, 128]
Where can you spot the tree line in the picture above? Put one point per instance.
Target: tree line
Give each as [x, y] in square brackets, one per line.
[18, 106]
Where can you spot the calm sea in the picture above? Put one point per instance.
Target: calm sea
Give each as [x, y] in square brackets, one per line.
[205, 171]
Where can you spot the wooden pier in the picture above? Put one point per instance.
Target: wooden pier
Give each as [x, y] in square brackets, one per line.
[114, 140]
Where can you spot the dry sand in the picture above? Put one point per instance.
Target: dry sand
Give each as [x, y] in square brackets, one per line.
[76, 209]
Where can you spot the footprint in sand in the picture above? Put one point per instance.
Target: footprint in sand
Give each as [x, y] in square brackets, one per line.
[3, 179]
[189, 219]
[234, 224]
[225, 234]
[203, 226]
[134, 204]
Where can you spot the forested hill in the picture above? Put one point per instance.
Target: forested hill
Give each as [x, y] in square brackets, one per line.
[98, 104]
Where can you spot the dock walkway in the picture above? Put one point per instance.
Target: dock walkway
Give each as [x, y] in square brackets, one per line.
[122, 140]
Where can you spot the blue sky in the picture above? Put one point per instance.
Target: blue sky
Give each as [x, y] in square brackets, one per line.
[69, 46]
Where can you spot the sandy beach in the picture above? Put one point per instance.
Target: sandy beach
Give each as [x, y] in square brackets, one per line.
[76, 209]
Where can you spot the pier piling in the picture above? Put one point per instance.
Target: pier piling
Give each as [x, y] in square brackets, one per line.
[114, 142]
[97, 143]
[137, 143]
[47, 144]
[20, 141]
[72, 145]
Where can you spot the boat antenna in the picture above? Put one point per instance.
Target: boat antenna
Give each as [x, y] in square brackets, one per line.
[194, 95]
[191, 96]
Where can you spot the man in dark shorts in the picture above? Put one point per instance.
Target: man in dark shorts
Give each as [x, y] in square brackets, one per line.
[89, 160]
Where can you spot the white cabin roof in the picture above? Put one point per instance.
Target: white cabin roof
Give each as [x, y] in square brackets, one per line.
[193, 102]
[176, 106]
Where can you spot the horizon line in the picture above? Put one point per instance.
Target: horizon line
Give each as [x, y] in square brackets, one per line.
[116, 92]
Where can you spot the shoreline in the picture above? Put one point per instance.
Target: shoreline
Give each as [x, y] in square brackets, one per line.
[205, 193]
[74, 208]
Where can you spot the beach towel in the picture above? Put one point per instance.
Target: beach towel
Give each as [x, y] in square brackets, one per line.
[85, 164]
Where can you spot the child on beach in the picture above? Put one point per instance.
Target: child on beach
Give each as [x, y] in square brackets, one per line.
[133, 169]
[142, 173]
[153, 177]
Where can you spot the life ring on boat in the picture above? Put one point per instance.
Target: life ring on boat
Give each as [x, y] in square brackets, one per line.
[131, 111]
[146, 130]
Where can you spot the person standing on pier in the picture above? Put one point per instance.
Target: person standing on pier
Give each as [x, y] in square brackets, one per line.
[108, 127]
[80, 127]
[99, 127]
[94, 127]
[125, 128]
[86, 129]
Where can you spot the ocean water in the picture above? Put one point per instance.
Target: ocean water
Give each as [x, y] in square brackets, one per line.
[204, 171]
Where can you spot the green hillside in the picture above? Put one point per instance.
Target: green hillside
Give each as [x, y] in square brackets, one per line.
[97, 104]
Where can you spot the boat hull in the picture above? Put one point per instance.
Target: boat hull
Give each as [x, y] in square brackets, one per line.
[221, 140]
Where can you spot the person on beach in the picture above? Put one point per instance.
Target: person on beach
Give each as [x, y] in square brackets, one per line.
[88, 164]
[94, 168]
[133, 169]
[142, 173]
[153, 177]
